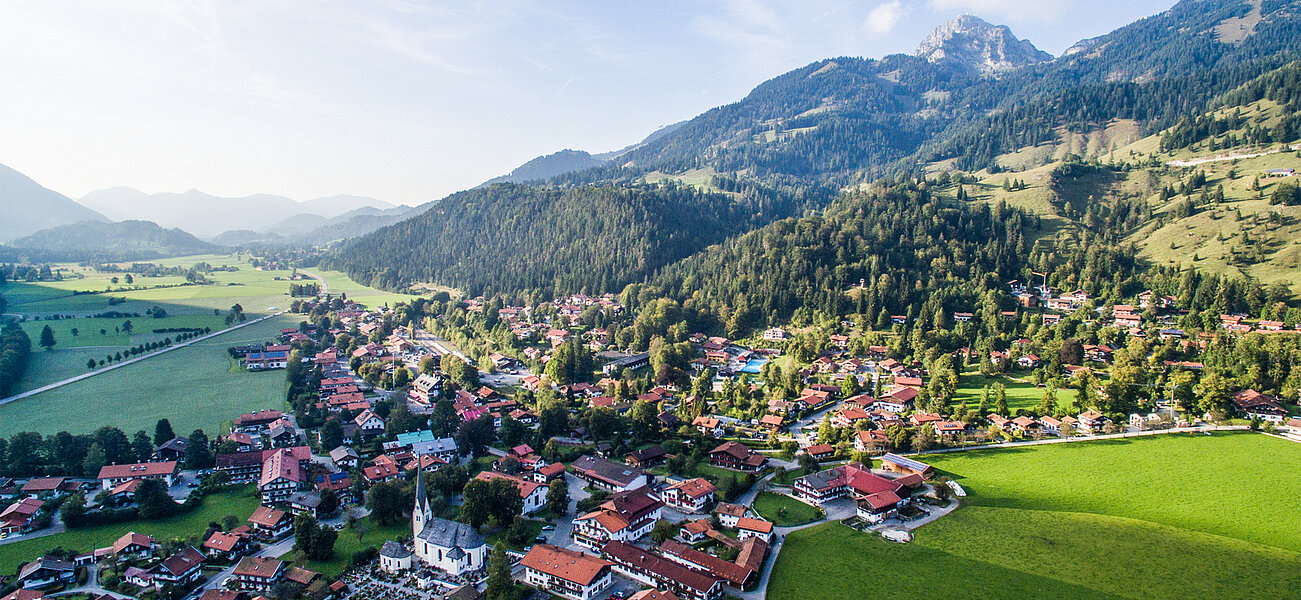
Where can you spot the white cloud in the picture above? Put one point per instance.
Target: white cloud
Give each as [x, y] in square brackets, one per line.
[883, 18]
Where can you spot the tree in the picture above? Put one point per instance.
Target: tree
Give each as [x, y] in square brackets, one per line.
[444, 420]
[664, 530]
[154, 502]
[1000, 400]
[197, 453]
[500, 584]
[512, 432]
[47, 338]
[127, 326]
[141, 446]
[163, 432]
[73, 509]
[558, 496]
[385, 501]
[475, 435]
[331, 435]
[476, 504]
[95, 460]
[329, 502]
[644, 420]
[312, 540]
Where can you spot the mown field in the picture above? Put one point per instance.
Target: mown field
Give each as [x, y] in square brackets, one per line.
[197, 386]
[1173, 516]
[238, 501]
[1021, 395]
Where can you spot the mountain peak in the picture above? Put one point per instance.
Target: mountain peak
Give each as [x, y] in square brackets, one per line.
[971, 41]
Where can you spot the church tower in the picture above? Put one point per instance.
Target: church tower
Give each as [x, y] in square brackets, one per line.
[421, 514]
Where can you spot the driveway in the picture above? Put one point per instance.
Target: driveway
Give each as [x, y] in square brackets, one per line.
[563, 535]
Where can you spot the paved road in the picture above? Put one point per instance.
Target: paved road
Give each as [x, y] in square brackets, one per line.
[92, 586]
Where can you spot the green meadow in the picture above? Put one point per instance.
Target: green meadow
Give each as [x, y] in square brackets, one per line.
[1171, 516]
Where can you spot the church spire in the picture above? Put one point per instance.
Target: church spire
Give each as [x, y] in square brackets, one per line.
[421, 514]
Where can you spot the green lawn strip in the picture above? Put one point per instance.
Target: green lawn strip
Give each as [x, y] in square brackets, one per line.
[1022, 395]
[349, 542]
[769, 505]
[981, 552]
[1239, 485]
[238, 501]
[191, 386]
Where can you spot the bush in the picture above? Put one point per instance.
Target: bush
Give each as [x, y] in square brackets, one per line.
[365, 556]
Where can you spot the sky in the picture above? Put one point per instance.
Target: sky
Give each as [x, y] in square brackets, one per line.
[408, 101]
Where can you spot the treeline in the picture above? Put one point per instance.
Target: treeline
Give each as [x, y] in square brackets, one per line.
[29, 454]
[552, 240]
[15, 348]
[1282, 86]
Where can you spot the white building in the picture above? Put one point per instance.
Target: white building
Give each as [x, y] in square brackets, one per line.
[448, 546]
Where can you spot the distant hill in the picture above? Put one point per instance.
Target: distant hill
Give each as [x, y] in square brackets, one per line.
[315, 229]
[546, 167]
[26, 207]
[206, 215]
[123, 240]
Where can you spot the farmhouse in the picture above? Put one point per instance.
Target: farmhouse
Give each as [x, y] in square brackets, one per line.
[269, 523]
[1253, 404]
[753, 528]
[112, 475]
[847, 480]
[690, 495]
[626, 516]
[654, 570]
[735, 455]
[566, 573]
[282, 475]
[533, 493]
[258, 574]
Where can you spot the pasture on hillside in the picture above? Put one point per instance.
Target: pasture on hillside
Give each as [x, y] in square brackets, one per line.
[1169, 516]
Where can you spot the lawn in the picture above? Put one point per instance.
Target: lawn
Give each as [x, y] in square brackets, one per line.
[239, 501]
[985, 552]
[349, 541]
[1020, 394]
[770, 506]
[1164, 516]
[193, 386]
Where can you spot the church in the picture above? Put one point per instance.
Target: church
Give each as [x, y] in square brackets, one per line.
[448, 546]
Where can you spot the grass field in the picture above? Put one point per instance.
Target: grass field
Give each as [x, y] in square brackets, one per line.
[194, 387]
[372, 534]
[770, 505]
[1020, 394]
[238, 501]
[1172, 516]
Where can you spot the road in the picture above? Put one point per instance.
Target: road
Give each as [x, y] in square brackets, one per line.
[1233, 156]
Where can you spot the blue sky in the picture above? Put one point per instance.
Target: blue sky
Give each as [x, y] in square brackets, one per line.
[408, 101]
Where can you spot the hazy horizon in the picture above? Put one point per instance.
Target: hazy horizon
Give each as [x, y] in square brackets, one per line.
[407, 102]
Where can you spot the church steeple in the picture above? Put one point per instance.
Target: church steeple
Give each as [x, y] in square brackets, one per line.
[421, 513]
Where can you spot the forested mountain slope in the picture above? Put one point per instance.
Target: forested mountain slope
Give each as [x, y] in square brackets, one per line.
[121, 240]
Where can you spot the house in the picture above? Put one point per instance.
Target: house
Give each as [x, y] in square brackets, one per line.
[345, 457]
[729, 514]
[738, 456]
[111, 475]
[690, 495]
[845, 480]
[1027, 361]
[1092, 421]
[17, 516]
[696, 531]
[776, 334]
[547, 473]
[261, 361]
[1255, 405]
[608, 475]
[304, 503]
[1050, 424]
[282, 475]
[369, 424]
[269, 523]
[647, 457]
[650, 569]
[225, 546]
[627, 516]
[878, 506]
[133, 544]
[384, 468]
[906, 466]
[424, 389]
[283, 435]
[257, 573]
[1024, 425]
[738, 574]
[949, 428]
[820, 452]
[37, 486]
[45, 572]
[178, 569]
[873, 441]
[566, 573]
[747, 527]
[770, 422]
[896, 400]
[533, 494]
[849, 417]
[257, 420]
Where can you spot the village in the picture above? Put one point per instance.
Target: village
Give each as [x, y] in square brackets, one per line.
[676, 474]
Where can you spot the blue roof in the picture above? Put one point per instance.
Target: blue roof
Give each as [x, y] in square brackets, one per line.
[267, 355]
[415, 437]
